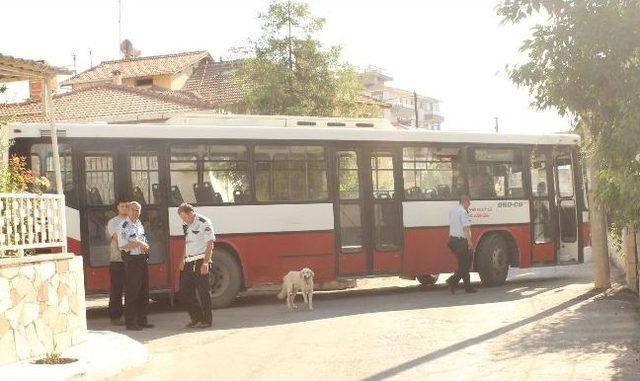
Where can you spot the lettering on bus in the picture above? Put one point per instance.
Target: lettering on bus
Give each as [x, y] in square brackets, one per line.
[510, 204]
[484, 212]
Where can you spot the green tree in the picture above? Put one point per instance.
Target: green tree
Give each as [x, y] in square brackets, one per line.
[286, 70]
[583, 59]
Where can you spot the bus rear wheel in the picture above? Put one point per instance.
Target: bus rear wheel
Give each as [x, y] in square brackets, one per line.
[428, 279]
[492, 259]
[225, 278]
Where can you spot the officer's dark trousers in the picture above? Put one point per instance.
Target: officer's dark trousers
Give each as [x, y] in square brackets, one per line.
[460, 248]
[116, 275]
[191, 280]
[136, 294]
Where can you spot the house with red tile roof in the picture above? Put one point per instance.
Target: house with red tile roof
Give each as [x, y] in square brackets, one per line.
[143, 89]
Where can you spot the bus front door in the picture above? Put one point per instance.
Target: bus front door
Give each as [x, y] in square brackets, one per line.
[565, 192]
[554, 223]
[367, 210]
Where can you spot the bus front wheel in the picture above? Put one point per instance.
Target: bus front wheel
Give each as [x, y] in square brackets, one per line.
[428, 279]
[225, 278]
[492, 260]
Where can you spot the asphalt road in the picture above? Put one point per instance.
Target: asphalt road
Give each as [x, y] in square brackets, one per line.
[543, 324]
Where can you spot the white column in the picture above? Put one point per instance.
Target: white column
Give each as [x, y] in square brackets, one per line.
[50, 114]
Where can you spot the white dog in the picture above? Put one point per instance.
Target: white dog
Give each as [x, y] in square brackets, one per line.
[296, 281]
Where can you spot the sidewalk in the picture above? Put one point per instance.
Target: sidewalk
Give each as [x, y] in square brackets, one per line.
[103, 355]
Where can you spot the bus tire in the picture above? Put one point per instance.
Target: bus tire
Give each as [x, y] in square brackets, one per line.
[492, 260]
[428, 279]
[225, 279]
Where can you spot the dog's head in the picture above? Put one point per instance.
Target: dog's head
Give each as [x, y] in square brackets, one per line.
[307, 274]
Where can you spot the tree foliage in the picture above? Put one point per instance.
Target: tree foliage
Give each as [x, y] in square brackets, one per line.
[583, 59]
[286, 70]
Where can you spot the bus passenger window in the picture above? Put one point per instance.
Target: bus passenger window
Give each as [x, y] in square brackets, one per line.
[226, 173]
[42, 165]
[496, 173]
[290, 173]
[99, 178]
[431, 173]
[184, 173]
[382, 175]
[565, 176]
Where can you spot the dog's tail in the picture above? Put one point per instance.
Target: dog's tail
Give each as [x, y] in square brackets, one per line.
[282, 293]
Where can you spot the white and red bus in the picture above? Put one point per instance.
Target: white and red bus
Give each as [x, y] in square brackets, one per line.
[346, 198]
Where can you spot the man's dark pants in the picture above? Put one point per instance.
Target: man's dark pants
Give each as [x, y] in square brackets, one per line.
[136, 294]
[191, 280]
[460, 247]
[117, 278]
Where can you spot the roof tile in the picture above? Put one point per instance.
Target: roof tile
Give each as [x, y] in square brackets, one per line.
[138, 67]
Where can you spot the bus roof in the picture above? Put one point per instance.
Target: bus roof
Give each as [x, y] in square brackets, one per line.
[252, 132]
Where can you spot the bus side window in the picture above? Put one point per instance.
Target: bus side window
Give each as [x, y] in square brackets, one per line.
[496, 173]
[290, 173]
[42, 165]
[431, 173]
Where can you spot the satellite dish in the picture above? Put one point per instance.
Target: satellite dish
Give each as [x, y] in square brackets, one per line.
[126, 47]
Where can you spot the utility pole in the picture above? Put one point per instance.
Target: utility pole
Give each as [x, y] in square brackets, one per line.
[119, 22]
[496, 123]
[75, 69]
[90, 58]
[415, 106]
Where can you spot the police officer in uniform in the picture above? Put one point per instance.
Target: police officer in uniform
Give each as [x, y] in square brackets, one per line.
[460, 243]
[134, 249]
[195, 266]
[116, 266]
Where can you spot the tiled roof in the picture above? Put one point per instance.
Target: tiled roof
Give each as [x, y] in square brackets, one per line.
[110, 103]
[213, 82]
[138, 67]
[18, 69]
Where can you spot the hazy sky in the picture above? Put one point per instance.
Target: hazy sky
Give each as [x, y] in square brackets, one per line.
[453, 50]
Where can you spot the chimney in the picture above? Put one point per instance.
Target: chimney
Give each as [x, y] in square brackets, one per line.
[35, 88]
[116, 78]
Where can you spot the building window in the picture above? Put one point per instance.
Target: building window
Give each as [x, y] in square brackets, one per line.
[144, 82]
[290, 173]
[431, 173]
[495, 173]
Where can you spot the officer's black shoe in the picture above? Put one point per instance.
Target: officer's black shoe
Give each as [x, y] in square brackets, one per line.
[191, 324]
[452, 287]
[470, 290]
[146, 325]
[134, 328]
[204, 325]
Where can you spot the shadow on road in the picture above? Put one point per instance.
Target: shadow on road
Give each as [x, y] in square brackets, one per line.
[266, 310]
[477, 339]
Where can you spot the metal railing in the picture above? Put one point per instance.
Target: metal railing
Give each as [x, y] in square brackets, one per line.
[31, 221]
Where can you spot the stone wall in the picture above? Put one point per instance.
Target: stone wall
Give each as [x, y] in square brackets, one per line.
[42, 305]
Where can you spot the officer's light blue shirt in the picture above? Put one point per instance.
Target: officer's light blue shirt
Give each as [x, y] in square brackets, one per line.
[458, 220]
[130, 232]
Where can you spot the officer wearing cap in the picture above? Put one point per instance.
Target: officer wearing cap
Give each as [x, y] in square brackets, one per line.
[195, 265]
[134, 248]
